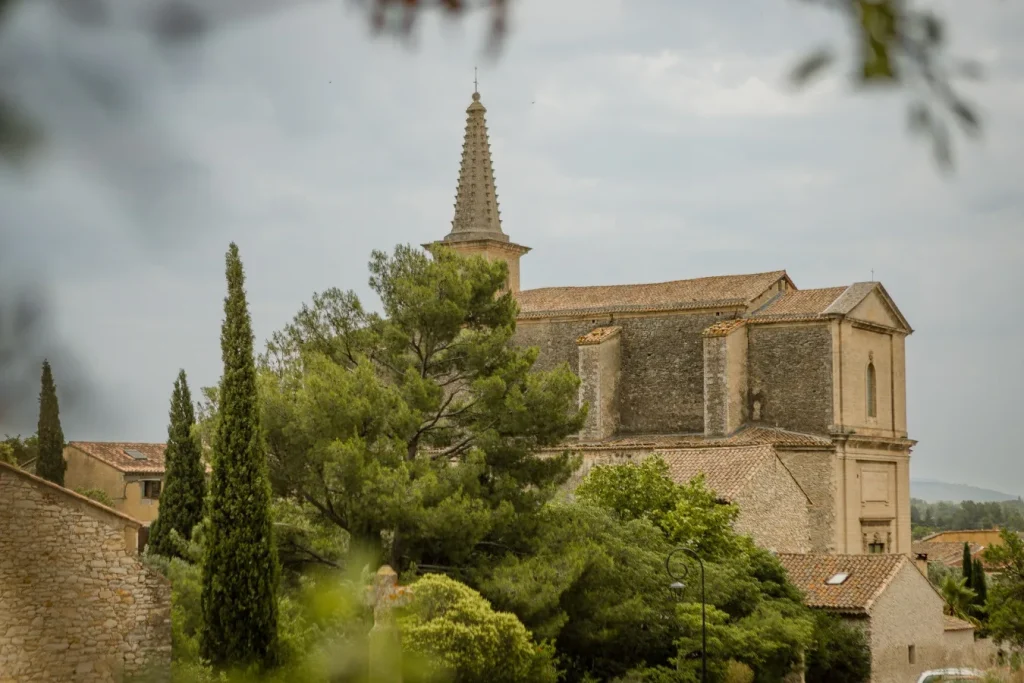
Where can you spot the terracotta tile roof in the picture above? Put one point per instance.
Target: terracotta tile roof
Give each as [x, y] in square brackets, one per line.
[723, 328]
[597, 335]
[849, 299]
[706, 292]
[868, 577]
[727, 471]
[948, 553]
[800, 303]
[856, 293]
[113, 453]
[954, 624]
[748, 436]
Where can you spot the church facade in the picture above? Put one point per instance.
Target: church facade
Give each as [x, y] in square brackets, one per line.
[721, 370]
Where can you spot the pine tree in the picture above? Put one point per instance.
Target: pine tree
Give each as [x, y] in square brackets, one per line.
[184, 490]
[240, 570]
[50, 463]
[967, 565]
[979, 583]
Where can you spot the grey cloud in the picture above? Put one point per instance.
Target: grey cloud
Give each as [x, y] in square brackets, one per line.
[310, 144]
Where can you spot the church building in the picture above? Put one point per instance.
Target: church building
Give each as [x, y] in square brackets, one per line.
[791, 402]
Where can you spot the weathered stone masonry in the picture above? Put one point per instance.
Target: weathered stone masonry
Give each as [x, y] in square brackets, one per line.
[76, 604]
[791, 376]
[661, 386]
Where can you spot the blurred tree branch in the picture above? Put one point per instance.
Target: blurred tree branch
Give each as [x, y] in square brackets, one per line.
[899, 45]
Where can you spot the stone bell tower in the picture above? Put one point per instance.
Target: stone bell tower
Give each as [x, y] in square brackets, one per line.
[476, 228]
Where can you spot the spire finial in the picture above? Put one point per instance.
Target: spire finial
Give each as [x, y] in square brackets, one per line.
[475, 89]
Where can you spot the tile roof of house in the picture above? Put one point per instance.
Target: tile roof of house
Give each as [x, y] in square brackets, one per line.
[948, 553]
[727, 471]
[705, 292]
[869, 575]
[849, 298]
[113, 453]
[954, 624]
[801, 303]
[748, 436]
[597, 335]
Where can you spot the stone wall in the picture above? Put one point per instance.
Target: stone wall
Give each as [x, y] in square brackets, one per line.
[774, 511]
[725, 380]
[907, 629]
[790, 376]
[661, 390]
[599, 372]
[76, 604]
[815, 471]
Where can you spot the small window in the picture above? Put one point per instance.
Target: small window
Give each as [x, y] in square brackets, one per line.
[151, 489]
[870, 390]
[911, 654]
[837, 579]
[876, 548]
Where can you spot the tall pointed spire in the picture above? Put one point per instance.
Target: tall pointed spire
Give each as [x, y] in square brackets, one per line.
[477, 215]
[476, 228]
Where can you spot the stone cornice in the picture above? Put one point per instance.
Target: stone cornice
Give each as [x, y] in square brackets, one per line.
[874, 327]
[887, 443]
[489, 243]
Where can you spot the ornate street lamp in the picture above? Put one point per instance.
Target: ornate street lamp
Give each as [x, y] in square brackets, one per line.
[678, 585]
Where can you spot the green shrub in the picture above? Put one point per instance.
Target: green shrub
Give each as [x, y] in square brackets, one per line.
[97, 495]
[450, 623]
[839, 652]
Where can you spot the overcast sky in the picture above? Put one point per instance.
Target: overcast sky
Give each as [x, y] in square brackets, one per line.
[634, 141]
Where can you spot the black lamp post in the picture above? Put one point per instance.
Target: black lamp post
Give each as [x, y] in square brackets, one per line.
[679, 585]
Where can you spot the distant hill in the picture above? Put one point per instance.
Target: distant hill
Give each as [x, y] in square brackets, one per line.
[934, 491]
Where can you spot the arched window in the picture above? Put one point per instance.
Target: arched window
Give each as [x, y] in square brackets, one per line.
[871, 393]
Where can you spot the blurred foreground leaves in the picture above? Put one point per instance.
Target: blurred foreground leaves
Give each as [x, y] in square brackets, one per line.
[900, 45]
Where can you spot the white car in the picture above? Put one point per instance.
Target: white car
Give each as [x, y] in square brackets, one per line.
[950, 676]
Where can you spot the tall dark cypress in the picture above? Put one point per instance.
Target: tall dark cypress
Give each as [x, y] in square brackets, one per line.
[966, 565]
[50, 463]
[240, 571]
[184, 489]
[979, 583]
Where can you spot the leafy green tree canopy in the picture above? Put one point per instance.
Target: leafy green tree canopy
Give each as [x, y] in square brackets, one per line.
[1005, 604]
[688, 513]
[840, 652]
[366, 413]
[454, 626]
[593, 579]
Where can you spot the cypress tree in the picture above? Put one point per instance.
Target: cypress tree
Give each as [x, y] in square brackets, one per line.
[967, 567]
[979, 583]
[240, 570]
[184, 490]
[50, 463]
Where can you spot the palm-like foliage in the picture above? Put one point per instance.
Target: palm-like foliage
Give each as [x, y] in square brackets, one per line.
[960, 600]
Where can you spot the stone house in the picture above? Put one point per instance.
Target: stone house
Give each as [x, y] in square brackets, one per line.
[708, 359]
[131, 474]
[896, 605]
[76, 604]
